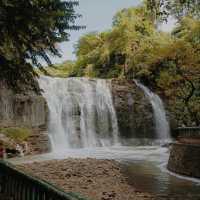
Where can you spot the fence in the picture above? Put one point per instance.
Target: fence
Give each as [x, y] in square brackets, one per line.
[188, 132]
[21, 186]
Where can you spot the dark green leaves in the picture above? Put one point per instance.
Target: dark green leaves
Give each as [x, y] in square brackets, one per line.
[30, 30]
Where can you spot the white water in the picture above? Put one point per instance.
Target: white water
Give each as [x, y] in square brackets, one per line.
[162, 125]
[81, 112]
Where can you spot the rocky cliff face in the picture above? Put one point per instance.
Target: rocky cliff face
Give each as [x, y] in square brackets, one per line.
[25, 109]
[134, 111]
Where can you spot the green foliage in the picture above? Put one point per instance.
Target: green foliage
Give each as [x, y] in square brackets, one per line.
[177, 8]
[109, 53]
[188, 29]
[182, 8]
[16, 133]
[63, 70]
[30, 30]
[176, 73]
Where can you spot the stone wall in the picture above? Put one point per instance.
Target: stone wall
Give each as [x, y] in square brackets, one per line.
[134, 111]
[185, 159]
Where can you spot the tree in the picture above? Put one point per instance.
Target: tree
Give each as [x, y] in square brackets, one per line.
[188, 29]
[30, 30]
[113, 53]
[140, 36]
[173, 70]
[177, 8]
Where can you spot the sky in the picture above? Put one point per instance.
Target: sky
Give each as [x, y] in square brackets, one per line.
[97, 15]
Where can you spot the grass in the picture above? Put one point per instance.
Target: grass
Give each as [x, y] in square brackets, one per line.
[16, 133]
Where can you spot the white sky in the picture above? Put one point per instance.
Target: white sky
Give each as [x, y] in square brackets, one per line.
[97, 16]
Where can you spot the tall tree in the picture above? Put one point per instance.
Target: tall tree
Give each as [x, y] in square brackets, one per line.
[176, 8]
[30, 31]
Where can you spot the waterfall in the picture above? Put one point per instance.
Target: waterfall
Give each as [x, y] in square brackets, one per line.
[81, 112]
[162, 125]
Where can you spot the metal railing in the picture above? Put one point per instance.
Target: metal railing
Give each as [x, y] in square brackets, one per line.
[189, 132]
[20, 186]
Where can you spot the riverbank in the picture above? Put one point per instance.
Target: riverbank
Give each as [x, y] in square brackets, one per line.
[92, 178]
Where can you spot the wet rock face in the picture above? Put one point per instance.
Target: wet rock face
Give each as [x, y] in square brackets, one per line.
[134, 111]
[29, 110]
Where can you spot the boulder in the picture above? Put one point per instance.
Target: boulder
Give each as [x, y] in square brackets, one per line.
[13, 148]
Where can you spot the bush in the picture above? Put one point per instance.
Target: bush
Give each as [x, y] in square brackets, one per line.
[16, 133]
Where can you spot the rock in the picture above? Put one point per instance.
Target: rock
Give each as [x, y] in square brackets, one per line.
[7, 142]
[39, 142]
[134, 111]
[13, 148]
[71, 175]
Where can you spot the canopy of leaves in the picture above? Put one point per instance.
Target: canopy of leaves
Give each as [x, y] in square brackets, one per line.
[109, 53]
[18, 134]
[63, 70]
[177, 8]
[30, 30]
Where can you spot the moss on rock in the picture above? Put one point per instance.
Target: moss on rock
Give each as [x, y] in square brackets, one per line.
[18, 134]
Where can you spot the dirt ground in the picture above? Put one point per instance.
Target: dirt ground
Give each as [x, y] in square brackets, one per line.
[93, 179]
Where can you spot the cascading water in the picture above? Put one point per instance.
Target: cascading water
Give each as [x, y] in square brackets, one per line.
[81, 112]
[162, 125]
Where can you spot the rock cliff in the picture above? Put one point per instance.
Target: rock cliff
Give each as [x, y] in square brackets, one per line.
[25, 109]
[134, 111]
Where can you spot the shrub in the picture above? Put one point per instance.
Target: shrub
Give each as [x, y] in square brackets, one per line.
[16, 133]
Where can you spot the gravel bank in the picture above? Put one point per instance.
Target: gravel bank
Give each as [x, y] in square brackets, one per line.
[93, 179]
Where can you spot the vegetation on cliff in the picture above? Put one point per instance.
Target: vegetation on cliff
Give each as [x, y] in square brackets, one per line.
[63, 70]
[18, 134]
